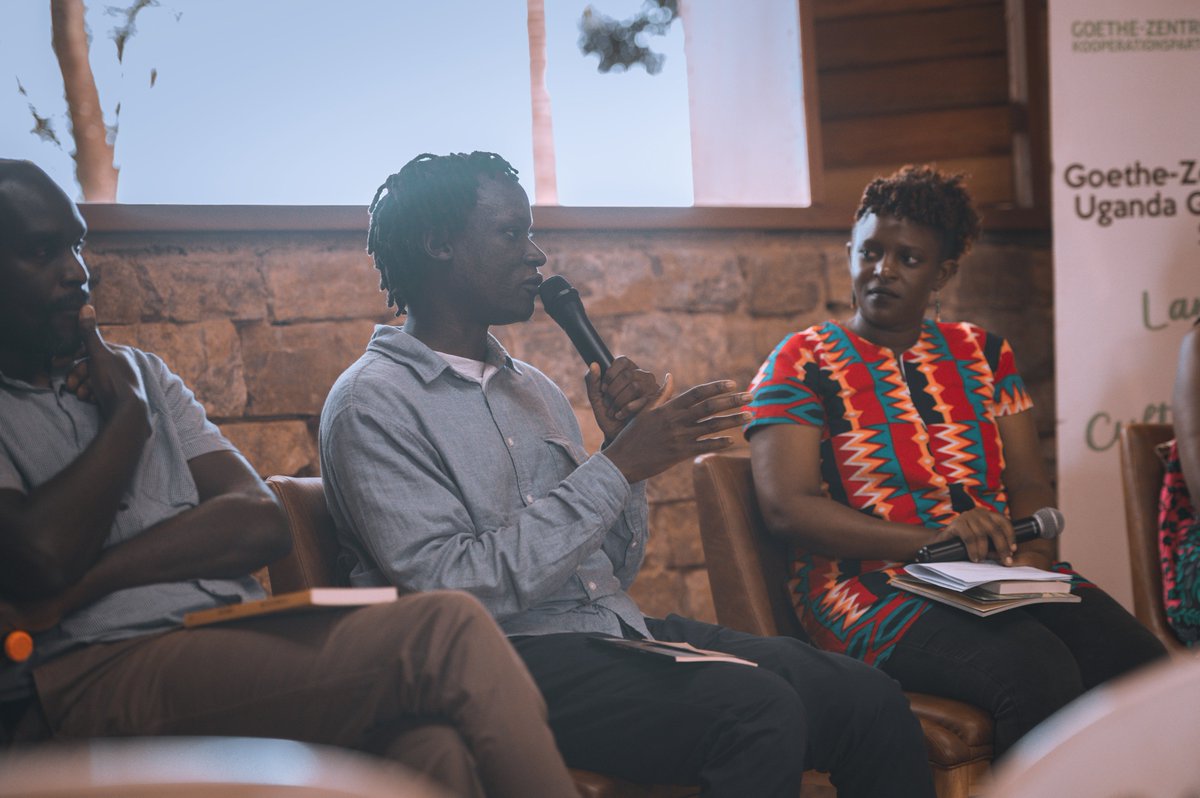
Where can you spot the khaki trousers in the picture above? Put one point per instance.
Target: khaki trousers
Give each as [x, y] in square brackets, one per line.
[428, 680]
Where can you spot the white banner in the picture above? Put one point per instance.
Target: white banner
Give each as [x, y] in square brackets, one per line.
[1125, 133]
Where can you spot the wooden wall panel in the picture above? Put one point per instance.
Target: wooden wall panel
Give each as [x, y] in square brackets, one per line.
[913, 81]
[918, 36]
[832, 9]
[920, 86]
[958, 133]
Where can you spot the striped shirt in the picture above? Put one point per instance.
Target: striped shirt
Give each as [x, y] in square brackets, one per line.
[43, 430]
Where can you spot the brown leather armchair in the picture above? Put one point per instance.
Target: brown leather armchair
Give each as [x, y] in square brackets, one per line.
[1142, 473]
[747, 569]
[313, 562]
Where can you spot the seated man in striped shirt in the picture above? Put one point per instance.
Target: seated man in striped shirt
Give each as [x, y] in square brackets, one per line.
[122, 508]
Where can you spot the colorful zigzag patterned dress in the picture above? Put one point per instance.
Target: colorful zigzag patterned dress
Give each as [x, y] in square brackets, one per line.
[910, 439]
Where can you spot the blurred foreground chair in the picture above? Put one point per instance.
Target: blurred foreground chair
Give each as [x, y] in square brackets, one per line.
[1135, 736]
[1142, 472]
[748, 572]
[203, 767]
[313, 562]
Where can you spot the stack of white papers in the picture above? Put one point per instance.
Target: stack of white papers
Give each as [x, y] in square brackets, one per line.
[963, 576]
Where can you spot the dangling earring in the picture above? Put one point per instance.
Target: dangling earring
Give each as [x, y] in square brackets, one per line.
[853, 301]
[937, 307]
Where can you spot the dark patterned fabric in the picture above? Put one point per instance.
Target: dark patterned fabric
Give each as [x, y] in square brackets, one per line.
[1179, 551]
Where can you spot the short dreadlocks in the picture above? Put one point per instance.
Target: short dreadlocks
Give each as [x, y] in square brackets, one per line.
[430, 192]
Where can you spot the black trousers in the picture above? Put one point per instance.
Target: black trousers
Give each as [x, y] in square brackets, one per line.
[1025, 664]
[736, 731]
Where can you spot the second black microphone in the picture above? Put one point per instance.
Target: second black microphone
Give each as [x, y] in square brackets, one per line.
[1046, 523]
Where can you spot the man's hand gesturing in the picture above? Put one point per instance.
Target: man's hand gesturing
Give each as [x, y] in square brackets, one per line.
[673, 430]
[623, 392]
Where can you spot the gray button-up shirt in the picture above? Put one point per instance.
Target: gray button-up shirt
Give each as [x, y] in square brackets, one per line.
[44, 430]
[437, 481]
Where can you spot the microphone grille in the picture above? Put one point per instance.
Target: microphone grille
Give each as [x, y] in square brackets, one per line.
[1050, 522]
[552, 288]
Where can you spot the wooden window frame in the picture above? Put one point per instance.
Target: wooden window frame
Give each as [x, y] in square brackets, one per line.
[1027, 91]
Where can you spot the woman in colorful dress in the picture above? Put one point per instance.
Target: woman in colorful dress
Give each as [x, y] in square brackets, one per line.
[873, 437]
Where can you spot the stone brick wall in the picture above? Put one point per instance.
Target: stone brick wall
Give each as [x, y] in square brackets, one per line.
[261, 324]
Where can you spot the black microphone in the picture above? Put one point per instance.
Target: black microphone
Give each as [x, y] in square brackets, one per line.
[562, 302]
[1046, 523]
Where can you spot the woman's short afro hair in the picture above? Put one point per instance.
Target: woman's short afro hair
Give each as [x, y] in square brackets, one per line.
[927, 196]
